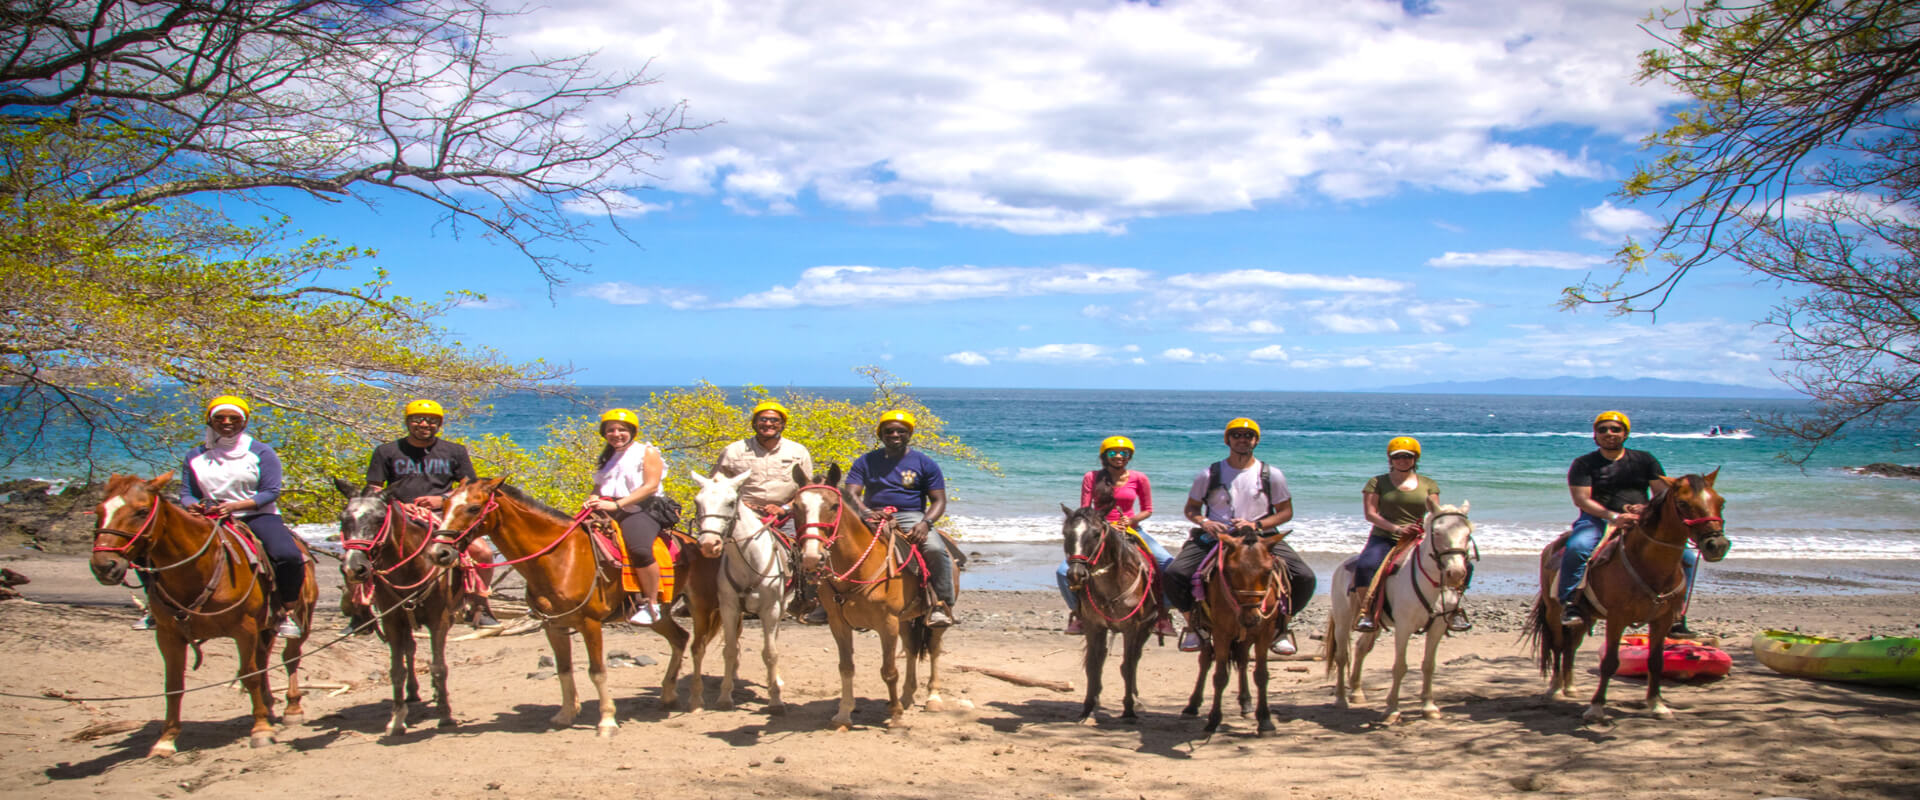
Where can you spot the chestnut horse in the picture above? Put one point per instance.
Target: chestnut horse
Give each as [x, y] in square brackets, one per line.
[568, 587]
[200, 585]
[1246, 607]
[1641, 582]
[387, 563]
[1118, 595]
[1419, 596]
[862, 585]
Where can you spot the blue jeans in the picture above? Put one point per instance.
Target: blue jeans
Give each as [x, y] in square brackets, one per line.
[1586, 536]
[1161, 558]
[934, 550]
[1370, 560]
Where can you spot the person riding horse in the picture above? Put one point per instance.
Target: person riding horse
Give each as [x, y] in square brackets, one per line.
[1396, 502]
[906, 480]
[768, 460]
[420, 468]
[1241, 494]
[626, 479]
[1126, 488]
[1609, 486]
[233, 474]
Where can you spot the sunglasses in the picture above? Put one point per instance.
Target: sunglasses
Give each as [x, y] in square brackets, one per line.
[1119, 454]
[1242, 435]
[1609, 429]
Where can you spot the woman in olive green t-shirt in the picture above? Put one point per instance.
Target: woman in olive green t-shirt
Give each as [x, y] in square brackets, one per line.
[1396, 503]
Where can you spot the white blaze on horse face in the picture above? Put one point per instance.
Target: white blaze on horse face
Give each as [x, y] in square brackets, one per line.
[110, 508]
[809, 508]
[361, 510]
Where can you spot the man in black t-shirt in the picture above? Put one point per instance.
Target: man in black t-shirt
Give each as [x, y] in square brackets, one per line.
[421, 469]
[1609, 486]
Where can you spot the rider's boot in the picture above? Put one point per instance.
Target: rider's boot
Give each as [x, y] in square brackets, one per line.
[1680, 630]
[483, 615]
[940, 617]
[1574, 615]
[1366, 624]
[649, 578]
[1458, 622]
[289, 626]
[1191, 640]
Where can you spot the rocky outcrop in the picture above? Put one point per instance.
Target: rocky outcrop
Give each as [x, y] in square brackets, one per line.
[61, 522]
[1887, 470]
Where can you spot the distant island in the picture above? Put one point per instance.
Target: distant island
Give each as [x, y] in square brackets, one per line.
[1568, 386]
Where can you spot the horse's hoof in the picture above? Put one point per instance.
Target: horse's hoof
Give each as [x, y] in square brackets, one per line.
[776, 709]
[163, 750]
[1391, 719]
[606, 730]
[1433, 714]
[1089, 721]
[562, 720]
[1359, 699]
[260, 740]
[723, 704]
[1265, 731]
[396, 730]
[1662, 712]
[1595, 715]
[936, 704]
[1190, 711]
[447, 723]
[295, 718]
[842, 727]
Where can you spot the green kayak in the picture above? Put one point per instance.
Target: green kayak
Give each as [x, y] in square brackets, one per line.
[1881, 660]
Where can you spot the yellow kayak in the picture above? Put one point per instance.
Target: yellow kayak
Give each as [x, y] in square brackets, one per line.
[1880, 661]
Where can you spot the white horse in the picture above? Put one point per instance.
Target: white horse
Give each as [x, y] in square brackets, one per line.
[753, 574]
[1426, 589]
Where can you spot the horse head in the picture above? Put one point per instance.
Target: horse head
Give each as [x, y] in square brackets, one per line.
[716, 508]
[1249, 568]
[1450, 534]
[816, 512]
[361, 526]
[1082, 533]
[1699, 507]
[122, 523]
[466, 505]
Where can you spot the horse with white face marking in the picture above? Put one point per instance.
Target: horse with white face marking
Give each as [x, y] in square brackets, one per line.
[1420, 594]
[386, 562]
[754, 567]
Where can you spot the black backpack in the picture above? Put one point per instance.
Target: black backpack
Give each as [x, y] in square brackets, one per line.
[1213, 482]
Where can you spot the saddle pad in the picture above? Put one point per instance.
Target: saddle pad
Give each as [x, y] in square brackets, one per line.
[614, 549]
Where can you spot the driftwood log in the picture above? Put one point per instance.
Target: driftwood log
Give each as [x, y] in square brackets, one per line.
[1018, 679]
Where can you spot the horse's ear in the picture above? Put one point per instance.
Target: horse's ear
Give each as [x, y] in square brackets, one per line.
[741, 478]
[701, 480]
[800, 476]
[346, 489]
[1711, 475]
[1065, 510]
[833, 474]
[159, 484]
[1465, 505]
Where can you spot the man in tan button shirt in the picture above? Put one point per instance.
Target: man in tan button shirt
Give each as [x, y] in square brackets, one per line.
[768, 459]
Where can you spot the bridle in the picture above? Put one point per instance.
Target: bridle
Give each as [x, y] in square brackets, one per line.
[831, 522]
[1144, 583]
[1265, 603]
[805, 531]
[386, 534]
[153, 513]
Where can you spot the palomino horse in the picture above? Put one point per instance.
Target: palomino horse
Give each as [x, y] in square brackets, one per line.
[200, 585]
[1639, 581]
[387, 563]
[1118, 595]
[568, 587]
[1246, 607]
[754, 565]
[1419, 597]
[863, 585]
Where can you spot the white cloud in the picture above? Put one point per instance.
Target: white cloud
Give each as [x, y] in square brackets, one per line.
[1078, 117]
[1610, 223]
[619, 204]
[1132, 348]
[1849, 206]
[1138, 360]
[966, 358]
[1272, 352]
[1343, 323]
[1269, 279]
[853, 285]
[1060, 353]
[1229, 329]
[1546, 259]
[621, 293]
[1185, 356]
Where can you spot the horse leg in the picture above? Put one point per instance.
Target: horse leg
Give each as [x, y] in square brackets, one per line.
[594, 638]
[1657, 666]
[1597, 709]
[1240, 650]
[706, 625]
[1095, 662]
[296, 711]
[173, 652]
[1199, 686]
[729, 648]
[1400, 636]
[771, 610]
[843, 639]
[1427, 707]
[1222, 672]
[1360, 651]
[934, 638]
[437, 629]
[889, 631]
[1264, 713]
[1135, 642]
[255, 650]
[562, 644]
[1569, 649]
[400, 664]
[677, 638]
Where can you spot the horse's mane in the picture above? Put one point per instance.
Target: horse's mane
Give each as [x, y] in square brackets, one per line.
[1657, 503]
[527, 500]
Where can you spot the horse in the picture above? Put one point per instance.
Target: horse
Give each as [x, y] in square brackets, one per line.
[754, 566]
[569, 588]
[200, 585]
[1637, 580]
[1246, 606]
[862, 585]
[1419, 597]
[1120, 596]
[387, 563]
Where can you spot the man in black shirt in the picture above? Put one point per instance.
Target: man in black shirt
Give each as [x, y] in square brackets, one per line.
[1609, 485]
[420, 470]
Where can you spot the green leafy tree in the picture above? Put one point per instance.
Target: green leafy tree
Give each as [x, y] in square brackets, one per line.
[1798, 159]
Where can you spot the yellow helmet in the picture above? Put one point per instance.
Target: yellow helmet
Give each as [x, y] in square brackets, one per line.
[896, 415]
[1116, 443]
[425, 407]
[1242, 423]
[1613, 416]
[238, 403]
[620, 415]
[769, 405]
[1403, 443]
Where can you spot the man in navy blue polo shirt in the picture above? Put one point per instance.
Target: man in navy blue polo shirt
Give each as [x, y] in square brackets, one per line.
[908, 481]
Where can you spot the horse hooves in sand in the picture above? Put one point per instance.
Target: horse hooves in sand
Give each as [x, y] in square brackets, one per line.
[259, 740]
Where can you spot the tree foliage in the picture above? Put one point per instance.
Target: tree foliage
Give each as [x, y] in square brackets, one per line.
[1798, 159]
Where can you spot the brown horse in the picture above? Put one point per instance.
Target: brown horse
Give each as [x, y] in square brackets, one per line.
[862, 585]
[200, 585]
[1246, 607]
[568, 586]
[1638, 580]
[1118, 594]
[387, 562]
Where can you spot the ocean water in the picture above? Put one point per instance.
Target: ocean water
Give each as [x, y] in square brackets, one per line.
[1507, 455]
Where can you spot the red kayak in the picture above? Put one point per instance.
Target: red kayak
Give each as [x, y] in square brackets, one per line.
[1685, 660]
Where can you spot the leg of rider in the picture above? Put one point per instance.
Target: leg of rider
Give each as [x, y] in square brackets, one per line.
[939, 561]
[1689, 564]
[1066, 592]
[289, 568]
[1371, 557]
[482, 554]
[1573, 565]
[638, 529]
[1177, 579]
[1300, 577]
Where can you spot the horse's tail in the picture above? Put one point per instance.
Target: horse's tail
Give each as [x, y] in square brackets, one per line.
[918, 637]
[1533, 635]
[1335, 646]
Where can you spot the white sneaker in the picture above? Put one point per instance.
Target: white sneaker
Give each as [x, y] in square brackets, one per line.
[290, 629]
[144, 623]
[645, 615]
[1283, 646]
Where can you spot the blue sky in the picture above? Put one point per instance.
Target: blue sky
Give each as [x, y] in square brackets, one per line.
[1257, 195]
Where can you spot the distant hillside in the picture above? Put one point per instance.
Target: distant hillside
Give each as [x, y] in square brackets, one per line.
[1567, 386]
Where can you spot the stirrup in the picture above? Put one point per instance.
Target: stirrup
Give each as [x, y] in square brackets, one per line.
[1366, 625]
[644, 615]
[290, 629]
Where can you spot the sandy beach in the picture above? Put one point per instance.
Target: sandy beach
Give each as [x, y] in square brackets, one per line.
[1754, 734]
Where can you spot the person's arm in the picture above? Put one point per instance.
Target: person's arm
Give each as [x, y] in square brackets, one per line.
[189, 491]
[1145, 493]
[1277, 515]
[936, 507]
[1086, 488]
[1196, 509]
[1583, 500]
[377, 477]
[268, 490]
[652, 469]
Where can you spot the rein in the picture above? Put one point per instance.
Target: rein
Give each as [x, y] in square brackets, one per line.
[1270, 592]
[219, 526]
[1143, 581]
[826, 541]
[382, 537]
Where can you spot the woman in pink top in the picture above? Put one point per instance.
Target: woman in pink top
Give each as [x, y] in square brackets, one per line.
[1130, 490]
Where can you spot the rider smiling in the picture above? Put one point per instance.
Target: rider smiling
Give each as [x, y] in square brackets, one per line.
[1609, 486]
[1396, 503]
[626, 476]
[913, 485]
[1126, 487]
